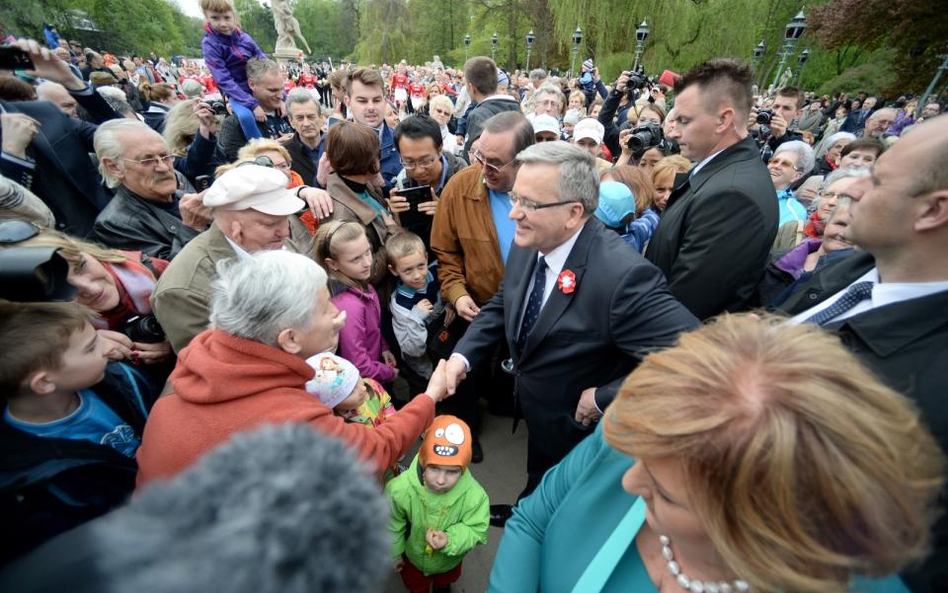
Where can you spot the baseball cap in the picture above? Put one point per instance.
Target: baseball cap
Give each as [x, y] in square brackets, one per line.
[545, 123]
[616, 202]
[253, 187]
[589, 128]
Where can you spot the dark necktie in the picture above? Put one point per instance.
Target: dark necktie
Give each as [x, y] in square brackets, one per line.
[854, 295]
[534, 303]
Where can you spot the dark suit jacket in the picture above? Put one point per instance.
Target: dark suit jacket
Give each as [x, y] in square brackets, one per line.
[716, 232]
[64, 176]
[302, 163]
[906, 344]
[593, 337]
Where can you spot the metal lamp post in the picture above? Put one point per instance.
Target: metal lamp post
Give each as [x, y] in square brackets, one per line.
[801, 60]
[467, 45]
[795, 29]
[577, 39]
[641, 34]
[931, 87]
[493, 46]
[759, 52]
[530, 39]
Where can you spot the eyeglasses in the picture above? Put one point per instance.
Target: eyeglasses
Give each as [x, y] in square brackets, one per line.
[16, 230]
[422, 164]
[479, 158]
[531, 206]
[151, 163]
[441, 112]
[835, 195]
[782, 163]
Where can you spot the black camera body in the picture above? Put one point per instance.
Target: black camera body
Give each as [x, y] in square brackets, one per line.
[645, 136]
[144, 328]
[217, 107]
[764, 116]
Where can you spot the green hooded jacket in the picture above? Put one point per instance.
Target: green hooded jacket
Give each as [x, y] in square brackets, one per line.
[462, 512]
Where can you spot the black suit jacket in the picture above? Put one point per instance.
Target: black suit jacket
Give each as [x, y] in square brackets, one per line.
[64, 176]
[594, 337]
[716, 232]
[906, 344]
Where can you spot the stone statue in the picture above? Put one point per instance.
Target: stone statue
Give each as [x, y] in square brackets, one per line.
[287, 27]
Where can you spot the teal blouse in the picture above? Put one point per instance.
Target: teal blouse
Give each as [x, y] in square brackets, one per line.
[558, 531]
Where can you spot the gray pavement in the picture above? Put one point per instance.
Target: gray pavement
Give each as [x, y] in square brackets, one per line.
[503, 475]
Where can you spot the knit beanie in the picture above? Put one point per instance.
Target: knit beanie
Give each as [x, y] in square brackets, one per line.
[447, 442]
[335, 378]
[588, 65]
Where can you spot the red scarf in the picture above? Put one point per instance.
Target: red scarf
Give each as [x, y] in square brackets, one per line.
[135, 283]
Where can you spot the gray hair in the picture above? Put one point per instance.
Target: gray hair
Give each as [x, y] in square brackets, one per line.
[549, 89]
[578, 180]
[538, 74]
[837, 138]
[257, 68]
[108, 146]
[804, 152]
[245, 303]
[300, 96]
[832, 178]
[192, 89]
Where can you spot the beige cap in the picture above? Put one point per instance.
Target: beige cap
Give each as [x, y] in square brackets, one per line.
[253, 186]
[545, 123]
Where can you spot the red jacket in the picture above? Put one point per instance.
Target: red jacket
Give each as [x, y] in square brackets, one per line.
[225, 384]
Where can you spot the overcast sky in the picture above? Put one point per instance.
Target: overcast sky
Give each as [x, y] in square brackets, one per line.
[190, 7]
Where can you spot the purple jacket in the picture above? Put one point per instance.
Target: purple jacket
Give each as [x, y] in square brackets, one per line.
[361, 341]
[226, 57]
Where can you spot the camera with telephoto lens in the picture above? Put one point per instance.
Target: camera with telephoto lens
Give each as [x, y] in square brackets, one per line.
[144, 328]
[217, 107]
[764, 116]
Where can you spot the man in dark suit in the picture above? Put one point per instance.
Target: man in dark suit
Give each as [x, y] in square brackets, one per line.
[721, 219]
[307, 145]
[47, 151]
[577, 306]
[888, 304]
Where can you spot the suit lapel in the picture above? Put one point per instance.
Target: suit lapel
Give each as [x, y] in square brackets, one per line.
[559, 301]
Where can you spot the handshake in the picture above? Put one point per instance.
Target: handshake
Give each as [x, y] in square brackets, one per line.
[445, 378]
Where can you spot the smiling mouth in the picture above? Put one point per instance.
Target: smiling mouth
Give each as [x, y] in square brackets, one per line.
[445, 450]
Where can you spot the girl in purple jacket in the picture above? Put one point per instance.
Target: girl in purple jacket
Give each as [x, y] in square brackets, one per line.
[344, 250]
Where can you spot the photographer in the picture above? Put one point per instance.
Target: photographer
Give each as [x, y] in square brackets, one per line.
[645, 144]
[622, 95]
[774, 126]
[117, 285]
[190, 132]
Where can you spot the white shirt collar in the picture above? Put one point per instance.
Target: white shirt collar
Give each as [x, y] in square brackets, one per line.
[698, 167]
[240, 251]
[556, 258]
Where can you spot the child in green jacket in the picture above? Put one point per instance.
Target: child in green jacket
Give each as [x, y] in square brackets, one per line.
[439, 511]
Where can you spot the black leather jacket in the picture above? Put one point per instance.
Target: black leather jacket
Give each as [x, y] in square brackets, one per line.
[132, 223]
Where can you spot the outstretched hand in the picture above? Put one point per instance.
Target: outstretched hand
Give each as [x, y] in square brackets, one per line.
[47, 65]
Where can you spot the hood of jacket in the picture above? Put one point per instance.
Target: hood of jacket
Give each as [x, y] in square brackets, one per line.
[218, 367]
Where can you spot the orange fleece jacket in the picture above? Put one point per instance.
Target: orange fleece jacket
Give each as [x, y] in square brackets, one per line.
[224, 384]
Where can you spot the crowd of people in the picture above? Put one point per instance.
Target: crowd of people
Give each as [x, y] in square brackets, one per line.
[717, 309]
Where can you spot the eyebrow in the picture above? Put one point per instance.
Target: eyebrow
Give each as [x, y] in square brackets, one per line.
[659, 487]
[91, 342]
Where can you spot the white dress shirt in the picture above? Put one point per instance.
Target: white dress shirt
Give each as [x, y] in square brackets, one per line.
[883, 293]
[555, 260]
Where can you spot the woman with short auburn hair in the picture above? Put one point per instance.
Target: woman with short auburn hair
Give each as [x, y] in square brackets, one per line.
[354, 185]
[753, 456]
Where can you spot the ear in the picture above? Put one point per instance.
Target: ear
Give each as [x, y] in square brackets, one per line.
[236, 231]
[390, 268]
[347, 100]
[331, 264]
[289, 341]
[935, 213]
[796, 175]
[41, 383]
[114, 168]
[725, 119]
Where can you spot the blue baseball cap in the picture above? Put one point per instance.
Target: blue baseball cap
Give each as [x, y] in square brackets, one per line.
[616, 202]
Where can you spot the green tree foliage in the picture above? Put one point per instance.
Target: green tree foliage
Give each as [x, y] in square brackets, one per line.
[257, 20]
[386, 32]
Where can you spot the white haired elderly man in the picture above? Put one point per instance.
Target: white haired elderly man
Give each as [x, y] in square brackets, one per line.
[270, 313]
[149, 212]
[791, 161]
[251, 207]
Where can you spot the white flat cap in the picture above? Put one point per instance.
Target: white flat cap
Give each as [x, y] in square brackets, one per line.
[253, 186]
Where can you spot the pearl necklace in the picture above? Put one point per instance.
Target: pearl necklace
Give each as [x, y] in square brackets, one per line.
[694, 585]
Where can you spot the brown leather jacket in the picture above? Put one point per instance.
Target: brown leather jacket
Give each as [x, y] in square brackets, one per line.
[464, 240]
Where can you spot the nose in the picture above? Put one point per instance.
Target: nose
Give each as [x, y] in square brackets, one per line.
[635, 481]
[85, 287]
[516, 212]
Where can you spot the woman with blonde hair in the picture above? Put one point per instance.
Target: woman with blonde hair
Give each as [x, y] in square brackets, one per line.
[190, 130]
[753, 456]
[117, 285]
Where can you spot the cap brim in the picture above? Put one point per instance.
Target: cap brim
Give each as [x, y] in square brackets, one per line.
[282, 206]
